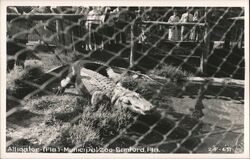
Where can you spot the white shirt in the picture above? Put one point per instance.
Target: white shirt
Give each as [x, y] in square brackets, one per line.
[186, 17]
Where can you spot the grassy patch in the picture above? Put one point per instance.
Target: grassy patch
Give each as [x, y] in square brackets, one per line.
[49, 61]
[60, 57]
[70, 121]
[172, 72]
[158, 95]
[19, 80]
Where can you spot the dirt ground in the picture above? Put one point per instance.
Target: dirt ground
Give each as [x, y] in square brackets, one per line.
[223, 122]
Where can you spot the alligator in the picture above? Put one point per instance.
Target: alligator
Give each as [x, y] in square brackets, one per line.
[92, 80]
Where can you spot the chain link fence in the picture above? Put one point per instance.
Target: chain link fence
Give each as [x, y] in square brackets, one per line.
[187, 61]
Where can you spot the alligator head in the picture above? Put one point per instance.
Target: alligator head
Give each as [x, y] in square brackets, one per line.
[134, 102]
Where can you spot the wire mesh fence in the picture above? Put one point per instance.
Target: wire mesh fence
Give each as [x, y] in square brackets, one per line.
[187, 61]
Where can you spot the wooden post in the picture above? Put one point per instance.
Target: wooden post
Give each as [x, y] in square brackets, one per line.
[61, 37]
[205, 52]
[131, 58]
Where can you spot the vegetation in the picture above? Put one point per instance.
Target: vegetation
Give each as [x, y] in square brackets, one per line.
[172, 72]
[20, 80]
[69, 120]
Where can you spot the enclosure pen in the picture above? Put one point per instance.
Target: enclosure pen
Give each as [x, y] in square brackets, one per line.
[106, 79]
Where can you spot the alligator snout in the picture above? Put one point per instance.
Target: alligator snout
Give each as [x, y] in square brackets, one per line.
[151, 110]
[144, 111]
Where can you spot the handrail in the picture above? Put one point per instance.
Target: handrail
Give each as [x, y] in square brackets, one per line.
[75, 17]
[174, 24]
[46, 16]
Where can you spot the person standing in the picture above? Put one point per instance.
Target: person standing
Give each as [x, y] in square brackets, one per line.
[95, 19]
[174, 33]
[109, 26]
[197, 33]
[121, 24]
[79, 30]
[186, 30]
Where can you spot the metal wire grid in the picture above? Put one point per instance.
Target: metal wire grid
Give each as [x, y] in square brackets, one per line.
[190, 134]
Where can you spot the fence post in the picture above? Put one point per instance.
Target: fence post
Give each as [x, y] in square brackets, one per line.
[131, 58]
[206, 49]
[59, 30]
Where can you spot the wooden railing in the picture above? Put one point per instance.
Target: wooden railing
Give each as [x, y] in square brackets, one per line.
[75, 17]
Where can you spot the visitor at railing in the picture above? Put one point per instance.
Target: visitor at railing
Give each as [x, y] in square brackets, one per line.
[186, 30]
[120, 24]
[174, 32]
[94, 21]
[196, 30]
[108, 28]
